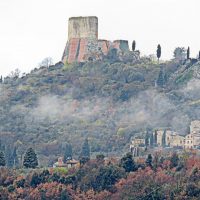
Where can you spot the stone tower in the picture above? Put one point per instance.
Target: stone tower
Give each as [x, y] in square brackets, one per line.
[83, 27]
[83, 44]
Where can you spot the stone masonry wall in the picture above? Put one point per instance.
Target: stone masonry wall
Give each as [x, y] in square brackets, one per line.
[83, 44]
[83, 27]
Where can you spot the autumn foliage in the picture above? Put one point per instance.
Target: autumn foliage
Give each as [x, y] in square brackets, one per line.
[98, 180]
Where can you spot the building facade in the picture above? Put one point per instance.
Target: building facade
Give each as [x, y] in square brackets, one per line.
[168, 138]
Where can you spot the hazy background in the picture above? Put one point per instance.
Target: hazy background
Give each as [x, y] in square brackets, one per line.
[31, 30]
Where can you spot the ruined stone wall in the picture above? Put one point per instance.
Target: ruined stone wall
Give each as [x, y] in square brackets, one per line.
[83, 44]
[83, 27]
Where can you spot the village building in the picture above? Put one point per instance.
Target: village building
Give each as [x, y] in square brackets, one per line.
[195, 127]
[137, 146]
[68, 164]
[168, 138]
[177, 141]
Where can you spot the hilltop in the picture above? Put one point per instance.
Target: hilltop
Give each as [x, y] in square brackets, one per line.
[108, 102]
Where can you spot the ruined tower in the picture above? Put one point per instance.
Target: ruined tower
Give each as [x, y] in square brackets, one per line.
[83, 43]
[83, 27]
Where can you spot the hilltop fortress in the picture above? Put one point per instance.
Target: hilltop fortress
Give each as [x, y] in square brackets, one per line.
[83, 44]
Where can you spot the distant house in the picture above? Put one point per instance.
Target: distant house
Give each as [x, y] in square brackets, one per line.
[167, 138]
[192, 141]
[137, 146]
[69, 163]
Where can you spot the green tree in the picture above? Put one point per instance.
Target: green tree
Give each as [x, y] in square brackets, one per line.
[155, 138]
[162, 159]
[171, 195]
[108, 176]
[161, 78]
[149, 160]
[147, 138]
[128, 163]
[2, 146]
[2, 159]
[174, 160]
[35, 180]
[83, 160]
[158, 52]
[85, 149]
[164, 139]
[100, 158]
[199, 55]
[133, 45]
[15, 157]
[68, 152]
[64, 195]
[9, 156]
[30, 159]
[151, 139]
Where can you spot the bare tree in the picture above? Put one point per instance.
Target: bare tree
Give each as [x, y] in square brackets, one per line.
[15, 73]
[180, 53]
[46, 62]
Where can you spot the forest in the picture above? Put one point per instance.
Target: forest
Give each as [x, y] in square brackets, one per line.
[174, 177]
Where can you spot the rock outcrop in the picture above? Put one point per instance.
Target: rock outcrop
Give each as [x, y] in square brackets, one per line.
[83, 44]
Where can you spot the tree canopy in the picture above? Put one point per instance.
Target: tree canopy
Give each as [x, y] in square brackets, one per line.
[30, 159]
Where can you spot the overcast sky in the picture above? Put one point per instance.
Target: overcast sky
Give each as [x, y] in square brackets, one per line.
[31, 30]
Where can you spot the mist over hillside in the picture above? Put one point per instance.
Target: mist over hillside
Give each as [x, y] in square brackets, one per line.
[108, 102]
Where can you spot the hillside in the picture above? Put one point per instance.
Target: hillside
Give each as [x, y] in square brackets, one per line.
[108, 102]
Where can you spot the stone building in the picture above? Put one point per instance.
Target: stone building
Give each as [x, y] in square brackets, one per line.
[83, 43]
[83, 27]
[68, 164]
[137, 146]
[173, 139]
[195, 127]
[177, 141]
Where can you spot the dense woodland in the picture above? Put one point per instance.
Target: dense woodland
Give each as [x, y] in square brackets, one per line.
[105, 101]
[174, 177]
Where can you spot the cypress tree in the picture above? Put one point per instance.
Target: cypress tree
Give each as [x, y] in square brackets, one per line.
[171, 195]
[151, 140]
[68, 152]
[2, 159]
[164, 139]
[155, 138]
[2, 146]
[161, 160]
[85, 149]
[30, 159]
[128, 163]
[161, 78]
[147, 139]
[9, 156]
[158, 52]
[133, 45]
[15, 158]
[64, 195]
[174, 160]
[199, 55]
[188, 53]
[149, 160]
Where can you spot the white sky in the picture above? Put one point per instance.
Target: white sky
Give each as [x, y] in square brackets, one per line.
[31, 30]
